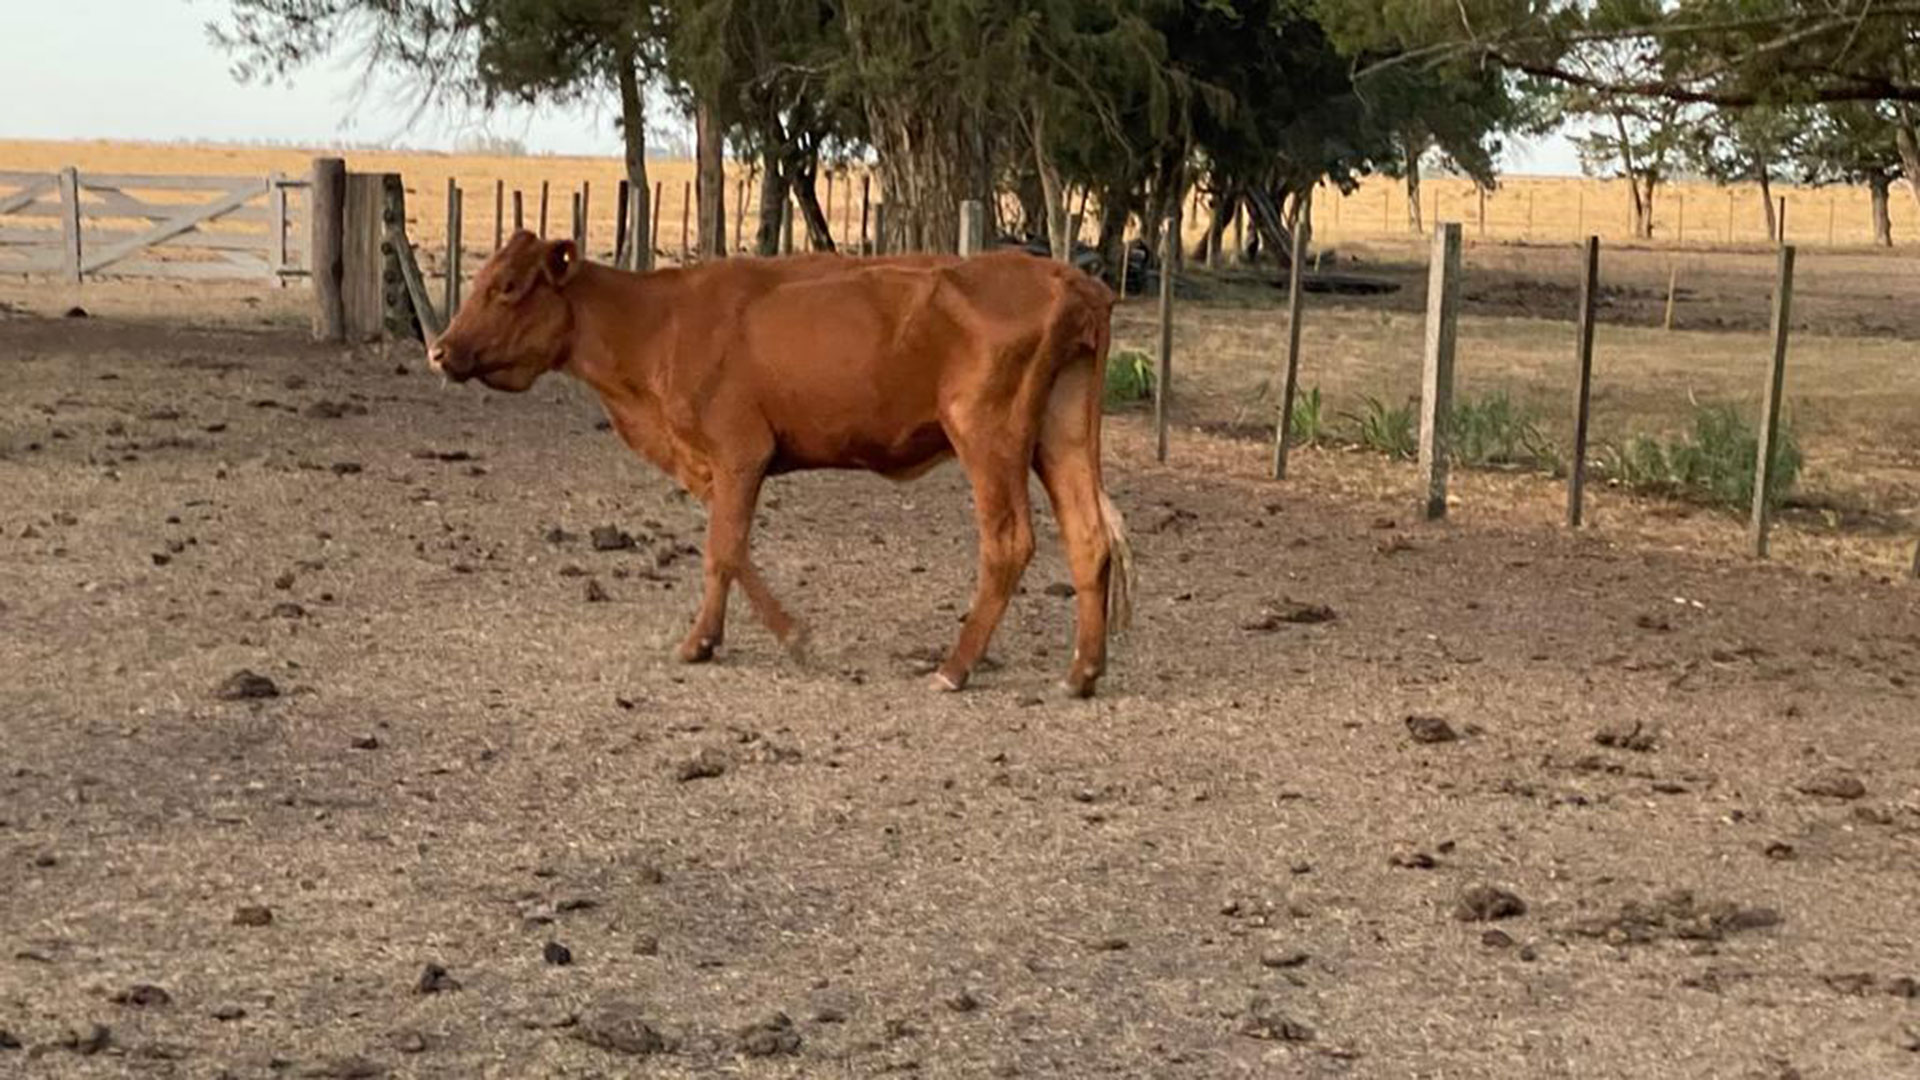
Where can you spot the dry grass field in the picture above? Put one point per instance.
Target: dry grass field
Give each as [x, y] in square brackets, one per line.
[1526, 210]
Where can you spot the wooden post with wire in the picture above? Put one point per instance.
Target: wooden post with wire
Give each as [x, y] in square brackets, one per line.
[1169, 248]
[1436, 380]
[1770, 405]
[1583, 390]
[1673, 284]
[1283, 430]
[543, 209]
[456, 206]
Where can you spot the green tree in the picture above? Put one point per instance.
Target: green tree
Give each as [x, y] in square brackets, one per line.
[1754, 144]
[1854, 143]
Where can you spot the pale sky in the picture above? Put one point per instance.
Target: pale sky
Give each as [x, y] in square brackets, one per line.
[145, 70]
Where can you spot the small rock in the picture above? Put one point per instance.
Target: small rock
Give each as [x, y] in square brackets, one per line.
[347, 468]
[1780, 851]
[435, 980]
[228, 1012]
[87, 1040]
[620, 1027]
[245, 685]
[646, 945]
[409, 1042]
[8, 1040]
[828, 1014]
[963, 1002]
[161, 558]
[366, 742]
[705, 765]
[1112, 944]
[284, 581]
[1289, 613]
[1416, 860]
[611, 538]
[1060, 589]
[1834, 785]
[1263, 1022]
[253, 915]
[557, 954]
[1496, 939]
[576, 903]
[143, 996]
[1657, 623]
[1904, 986]
[45, 860]
[1487, 903]
[773, 1037]
[596, 593]
[1529, 954]
[1430, 729]
[288, 610]
[1622, 737]
[76, 312]
[1282, 960]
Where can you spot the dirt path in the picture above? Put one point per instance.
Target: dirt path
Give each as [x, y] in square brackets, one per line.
[1240, 860]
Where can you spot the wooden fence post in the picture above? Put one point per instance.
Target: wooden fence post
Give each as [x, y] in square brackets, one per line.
[584, 228]
[653, 237]
[499, 214]
[543, 209]
[1482, 192]
[639, 241]
[1436, 380]
[866, 215]
[577, 227]
[1169, 248]
[739, 213]
[1782, 221]
[1770, 405]
[456, 212]
[326, 225]
[1283, 431]
[1680, 231]
[1673, 287]
[686, 223]
[973, 227]
[1583, 390]
[70, 224]
[519, 211]
[277, 229]
[621, 210]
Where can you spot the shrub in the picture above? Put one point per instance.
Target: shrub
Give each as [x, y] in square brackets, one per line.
[1713, 463]
[1388, 430]
[1129, 379]
[1495, 431]
[1307, 427]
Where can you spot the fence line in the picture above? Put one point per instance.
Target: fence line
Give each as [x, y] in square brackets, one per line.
[84, 224]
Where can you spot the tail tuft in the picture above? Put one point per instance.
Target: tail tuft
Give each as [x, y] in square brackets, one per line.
[1120, 568]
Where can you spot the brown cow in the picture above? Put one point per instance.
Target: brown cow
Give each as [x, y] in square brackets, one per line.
[729, 372]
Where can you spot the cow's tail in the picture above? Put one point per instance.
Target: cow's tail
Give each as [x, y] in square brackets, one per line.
[1119, 550]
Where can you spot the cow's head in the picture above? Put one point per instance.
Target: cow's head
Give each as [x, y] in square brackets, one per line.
[516, 326]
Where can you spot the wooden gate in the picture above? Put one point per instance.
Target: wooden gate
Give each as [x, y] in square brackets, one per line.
[77, 225]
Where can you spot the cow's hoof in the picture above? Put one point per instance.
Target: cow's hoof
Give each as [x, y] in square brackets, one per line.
[1078, 688]
[696, 650]
[945, 683]
[798, 643]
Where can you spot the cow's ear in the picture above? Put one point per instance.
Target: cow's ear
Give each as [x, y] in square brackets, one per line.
[560, 263]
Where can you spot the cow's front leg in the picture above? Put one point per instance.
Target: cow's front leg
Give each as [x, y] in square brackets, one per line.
[729, 518]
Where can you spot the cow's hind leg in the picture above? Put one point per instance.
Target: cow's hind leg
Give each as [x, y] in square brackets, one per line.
[1067, 461]
[789, 631]
[999, 476]
[729, 518]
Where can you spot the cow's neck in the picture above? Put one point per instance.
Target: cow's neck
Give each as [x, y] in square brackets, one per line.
[620, 326]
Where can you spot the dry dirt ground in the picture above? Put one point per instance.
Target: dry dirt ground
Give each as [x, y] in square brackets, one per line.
[1265, 850]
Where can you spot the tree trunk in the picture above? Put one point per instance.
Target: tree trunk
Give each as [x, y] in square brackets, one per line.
[1641, 188]
[710, 181]
[773, 199]
[1766, 200]
[1052, 191]
[803, 180]
[1909, 146]
[1880, 185]
[633, 130]
[1113, 232]
[1220, 211]
[1415, 149]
